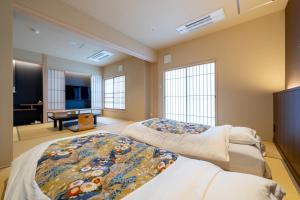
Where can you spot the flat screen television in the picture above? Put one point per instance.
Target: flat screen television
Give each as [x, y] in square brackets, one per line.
[77, 92]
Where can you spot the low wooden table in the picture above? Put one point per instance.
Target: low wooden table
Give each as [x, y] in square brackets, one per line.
[69, 117]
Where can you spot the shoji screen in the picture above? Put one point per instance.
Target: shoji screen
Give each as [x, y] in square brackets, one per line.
[56, 90]
[96, 88]
[119, 92]
[175, 94]
[190, 94]
[114, 93]
[109, 93]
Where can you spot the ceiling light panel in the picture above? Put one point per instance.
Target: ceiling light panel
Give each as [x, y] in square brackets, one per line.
[100, 55]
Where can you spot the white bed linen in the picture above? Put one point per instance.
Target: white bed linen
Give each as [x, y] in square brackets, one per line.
[245, 159]
[241, 158]
[210, 145]
[199, 180]
[185, 179]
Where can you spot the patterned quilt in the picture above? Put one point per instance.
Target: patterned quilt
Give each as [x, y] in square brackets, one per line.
[99, 166]
[176, 127]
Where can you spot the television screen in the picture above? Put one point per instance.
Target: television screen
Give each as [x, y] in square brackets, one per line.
[70, 94]
[85, 93]
[77, 92]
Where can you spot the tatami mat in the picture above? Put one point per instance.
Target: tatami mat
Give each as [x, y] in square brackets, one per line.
[281, 175]
[271, 150]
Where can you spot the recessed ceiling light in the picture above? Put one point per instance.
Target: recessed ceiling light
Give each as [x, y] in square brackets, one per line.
[81, 46]
[35, 31]
[153, 28]
[73, 43]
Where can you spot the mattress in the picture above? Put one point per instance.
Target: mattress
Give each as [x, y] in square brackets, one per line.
[246, 159]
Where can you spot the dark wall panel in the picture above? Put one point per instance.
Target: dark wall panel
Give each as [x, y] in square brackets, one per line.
[292, 49]
[29, 84]
[29, 90]
[287, 103]
[287, 128]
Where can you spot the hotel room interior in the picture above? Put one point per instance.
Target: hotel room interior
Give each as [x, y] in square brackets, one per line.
[136, 99]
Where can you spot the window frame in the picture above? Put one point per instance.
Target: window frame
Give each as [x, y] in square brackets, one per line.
[113, 94]
[187, 66]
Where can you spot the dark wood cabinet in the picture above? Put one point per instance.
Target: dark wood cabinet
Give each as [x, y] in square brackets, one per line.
[287, 128]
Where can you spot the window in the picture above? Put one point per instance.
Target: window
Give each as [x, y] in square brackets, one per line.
[189, 94]
[114, 93]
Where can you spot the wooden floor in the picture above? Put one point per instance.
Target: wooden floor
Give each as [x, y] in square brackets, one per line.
[26, 137]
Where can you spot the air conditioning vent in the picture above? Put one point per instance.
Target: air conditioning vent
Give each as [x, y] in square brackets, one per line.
[202, 21]
[100, 55]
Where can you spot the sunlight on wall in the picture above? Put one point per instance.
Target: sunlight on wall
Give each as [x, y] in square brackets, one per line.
[293, 85]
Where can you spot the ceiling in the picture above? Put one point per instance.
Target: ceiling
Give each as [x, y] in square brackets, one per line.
[153, 23]
[56, 41]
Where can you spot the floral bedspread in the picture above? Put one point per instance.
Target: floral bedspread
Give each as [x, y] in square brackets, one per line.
[176, 127]
[99, 166]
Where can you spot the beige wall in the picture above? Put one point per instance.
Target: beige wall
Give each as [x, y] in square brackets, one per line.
[72, 66]
[136, 86]
[250, 67]
[57, 63]
[6, 84]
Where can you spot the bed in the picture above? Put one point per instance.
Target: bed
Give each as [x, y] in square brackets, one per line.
[170, 134]
[102, 165]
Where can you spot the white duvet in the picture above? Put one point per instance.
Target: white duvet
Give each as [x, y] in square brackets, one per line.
[185, 179]
[212, 145]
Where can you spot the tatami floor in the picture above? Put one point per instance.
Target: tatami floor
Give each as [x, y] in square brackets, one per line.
[26, 137]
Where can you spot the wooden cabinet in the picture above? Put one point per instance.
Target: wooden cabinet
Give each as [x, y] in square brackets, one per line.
[287, 128]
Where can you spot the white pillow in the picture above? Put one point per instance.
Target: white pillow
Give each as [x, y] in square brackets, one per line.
[243, 135]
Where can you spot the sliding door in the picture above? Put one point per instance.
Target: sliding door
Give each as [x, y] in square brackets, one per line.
[190, 94]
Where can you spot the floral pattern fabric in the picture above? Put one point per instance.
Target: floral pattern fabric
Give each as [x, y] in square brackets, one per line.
[99, 166]
[176, 127]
